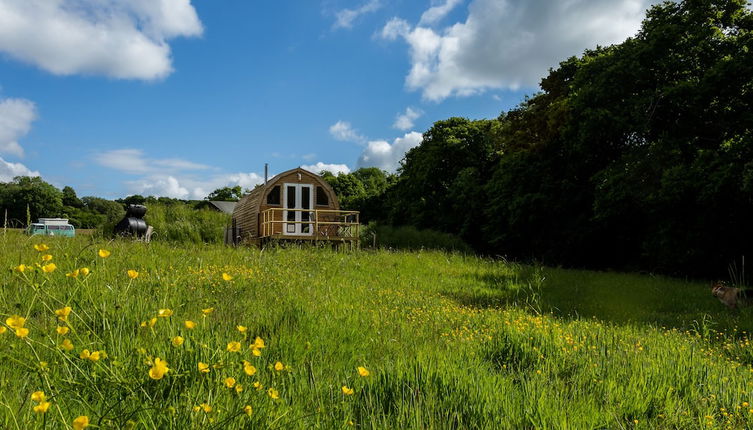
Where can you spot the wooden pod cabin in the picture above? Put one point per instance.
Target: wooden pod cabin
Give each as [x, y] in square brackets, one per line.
[294, 205]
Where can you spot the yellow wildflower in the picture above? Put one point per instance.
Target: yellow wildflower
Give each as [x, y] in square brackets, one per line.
[164, 313]
[81, 422]
[256, 352]
[238, 388]
[234, 346]
[133, 274]
[61, 330]
[84, 271]
[207, 311]
[258, 343]
[177, 341]
[248, 368]
[15, 321]
[279, 366]
[153, 322]
[206, 408]
[189, 324]
[73, 274]
[3, 329]
[274, 394]
[67, 345]
[226, 277]
[21, 268]
[347, 391]
[42, 407]
[49, 268]
[38, 396]
[230, 382]
[95, 356]
[63, 313]
[258, 385]
[203, 367]
[103, 253]
[22, 332]
[41, 247]
[85, 354]
[46, 257]
[159, 369]
[363, 371]
[248, 410]
[241, 328]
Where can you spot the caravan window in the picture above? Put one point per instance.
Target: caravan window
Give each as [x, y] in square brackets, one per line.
[321, 197]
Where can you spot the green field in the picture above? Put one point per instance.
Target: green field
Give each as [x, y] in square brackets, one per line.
[448, 341]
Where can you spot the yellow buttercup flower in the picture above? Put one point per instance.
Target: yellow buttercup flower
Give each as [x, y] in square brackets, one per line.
[41, 247]
[189, 324]
[164, 313]
[38, 396]
[153, 322]
[241, 328]
[248, 410]
[258, 343]
[238, 388]
[61, 330]
[81, 422]
[159, 369]
[347, 391]
[42, 407]
[22, 332]
[258, 385]
[230, 382]
[274, 394]
[133, 274]
[177, 341]
[21, 268]
[49, 268]
[85, 354]
[279, 366]
[73, 274]
[362, 371]
[46, 257]
[248, 368]
[227, 277]
[15, 321]
[234, 346]
[3, 329]
[206, 408]
[207, 311]
[203, 367]
[67, 345]
[95, 356]
[103, 253]
[256, 352]
[84, 271]
[63, 313]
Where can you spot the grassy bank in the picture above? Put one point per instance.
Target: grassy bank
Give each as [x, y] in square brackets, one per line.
[448, 341]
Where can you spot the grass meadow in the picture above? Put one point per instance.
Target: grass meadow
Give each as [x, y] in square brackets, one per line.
[204, 336]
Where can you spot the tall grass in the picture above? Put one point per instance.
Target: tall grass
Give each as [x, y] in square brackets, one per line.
[410, 238]
[449, 341]
[183, 224]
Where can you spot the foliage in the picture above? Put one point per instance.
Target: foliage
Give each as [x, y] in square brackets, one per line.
[447, 341]
[182, 223]
[226, 194]
[362, 190]
[410, 238]
[42, 199]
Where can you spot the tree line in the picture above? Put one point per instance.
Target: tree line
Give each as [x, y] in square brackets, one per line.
[632, 156]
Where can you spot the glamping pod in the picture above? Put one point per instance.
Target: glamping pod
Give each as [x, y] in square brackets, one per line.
[294, 205]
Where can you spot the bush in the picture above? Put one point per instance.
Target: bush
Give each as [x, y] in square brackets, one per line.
[411, 238]
[181, 223]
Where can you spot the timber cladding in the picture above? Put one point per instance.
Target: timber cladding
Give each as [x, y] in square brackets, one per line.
[247, 212]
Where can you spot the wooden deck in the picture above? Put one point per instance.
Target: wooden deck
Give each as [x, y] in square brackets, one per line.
[316, 225]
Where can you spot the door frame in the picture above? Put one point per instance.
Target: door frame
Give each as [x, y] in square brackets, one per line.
[298, 215]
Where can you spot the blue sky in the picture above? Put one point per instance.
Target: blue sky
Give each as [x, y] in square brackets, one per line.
[179, 97]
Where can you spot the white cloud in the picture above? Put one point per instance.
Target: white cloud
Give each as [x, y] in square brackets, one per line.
[386, 156]
[333, 168]
[435, 13]
[8, 171]
[405, 121]
[119, 39]
[135, 162]
[346, 17]
[16, 116]
[342, 130]
[509, 43]
[190, 187]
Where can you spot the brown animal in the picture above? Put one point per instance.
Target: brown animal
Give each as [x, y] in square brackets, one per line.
[731, 297]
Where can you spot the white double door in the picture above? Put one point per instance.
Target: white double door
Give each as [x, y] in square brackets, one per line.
[301, 198]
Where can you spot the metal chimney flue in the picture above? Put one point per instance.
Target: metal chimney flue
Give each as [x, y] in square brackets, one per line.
[266, 173]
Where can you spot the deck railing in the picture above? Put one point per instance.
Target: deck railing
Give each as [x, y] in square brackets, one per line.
[316, 224]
